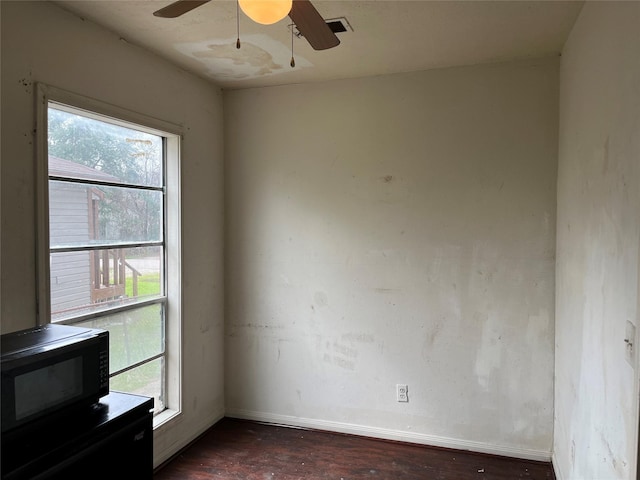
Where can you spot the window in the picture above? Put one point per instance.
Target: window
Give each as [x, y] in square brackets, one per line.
[109, 200]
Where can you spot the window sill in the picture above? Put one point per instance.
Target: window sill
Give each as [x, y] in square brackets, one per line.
[164, 417]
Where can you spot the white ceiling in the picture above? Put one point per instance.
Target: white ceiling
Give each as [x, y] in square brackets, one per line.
[388, 36]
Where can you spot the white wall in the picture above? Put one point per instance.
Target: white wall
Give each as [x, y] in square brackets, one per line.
[596, 416]
[396, 229]
[42, 43]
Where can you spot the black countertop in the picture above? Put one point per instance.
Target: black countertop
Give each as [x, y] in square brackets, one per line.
[45, 442]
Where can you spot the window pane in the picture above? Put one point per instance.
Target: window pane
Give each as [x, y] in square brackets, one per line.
[89, 281]
[80, 214]
[85, 148]
[107, 187]
[134, 335]
[144, 380]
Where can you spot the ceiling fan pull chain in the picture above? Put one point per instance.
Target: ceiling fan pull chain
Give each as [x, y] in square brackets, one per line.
[293, 60]
[238, 23]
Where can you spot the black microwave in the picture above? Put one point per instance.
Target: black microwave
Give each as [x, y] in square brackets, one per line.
[50, 369]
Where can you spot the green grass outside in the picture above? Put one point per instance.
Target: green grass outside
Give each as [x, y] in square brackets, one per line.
[148, 284]
[135, 335]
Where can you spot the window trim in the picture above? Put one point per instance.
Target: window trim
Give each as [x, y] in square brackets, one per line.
[173, 223]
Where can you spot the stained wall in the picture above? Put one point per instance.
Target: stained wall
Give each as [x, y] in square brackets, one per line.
[396, 229]
[596, 388]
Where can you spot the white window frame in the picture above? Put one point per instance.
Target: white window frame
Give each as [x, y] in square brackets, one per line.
[173, 227]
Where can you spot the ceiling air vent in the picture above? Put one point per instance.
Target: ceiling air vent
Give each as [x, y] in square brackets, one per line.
[337, 25]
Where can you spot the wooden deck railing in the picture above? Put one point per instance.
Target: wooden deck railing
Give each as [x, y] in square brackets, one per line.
[109, 275]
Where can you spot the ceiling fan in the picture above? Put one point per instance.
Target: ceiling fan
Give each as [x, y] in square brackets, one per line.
[305, 16]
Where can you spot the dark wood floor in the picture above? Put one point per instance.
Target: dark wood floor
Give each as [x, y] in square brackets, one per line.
[241, 450]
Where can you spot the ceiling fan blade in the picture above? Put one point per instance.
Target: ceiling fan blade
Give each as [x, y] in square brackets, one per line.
[178, 8]
[312, 26]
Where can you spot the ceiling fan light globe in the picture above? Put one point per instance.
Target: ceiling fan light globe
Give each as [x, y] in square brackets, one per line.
[266, 12]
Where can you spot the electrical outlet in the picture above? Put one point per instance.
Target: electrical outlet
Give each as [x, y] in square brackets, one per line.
[402, 392]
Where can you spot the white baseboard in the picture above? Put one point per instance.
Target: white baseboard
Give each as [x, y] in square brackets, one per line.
[388, 434]
[556, 469]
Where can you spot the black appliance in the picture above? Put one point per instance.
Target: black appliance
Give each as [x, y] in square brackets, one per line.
[109, 440]
[47, 369]
[59, 420]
